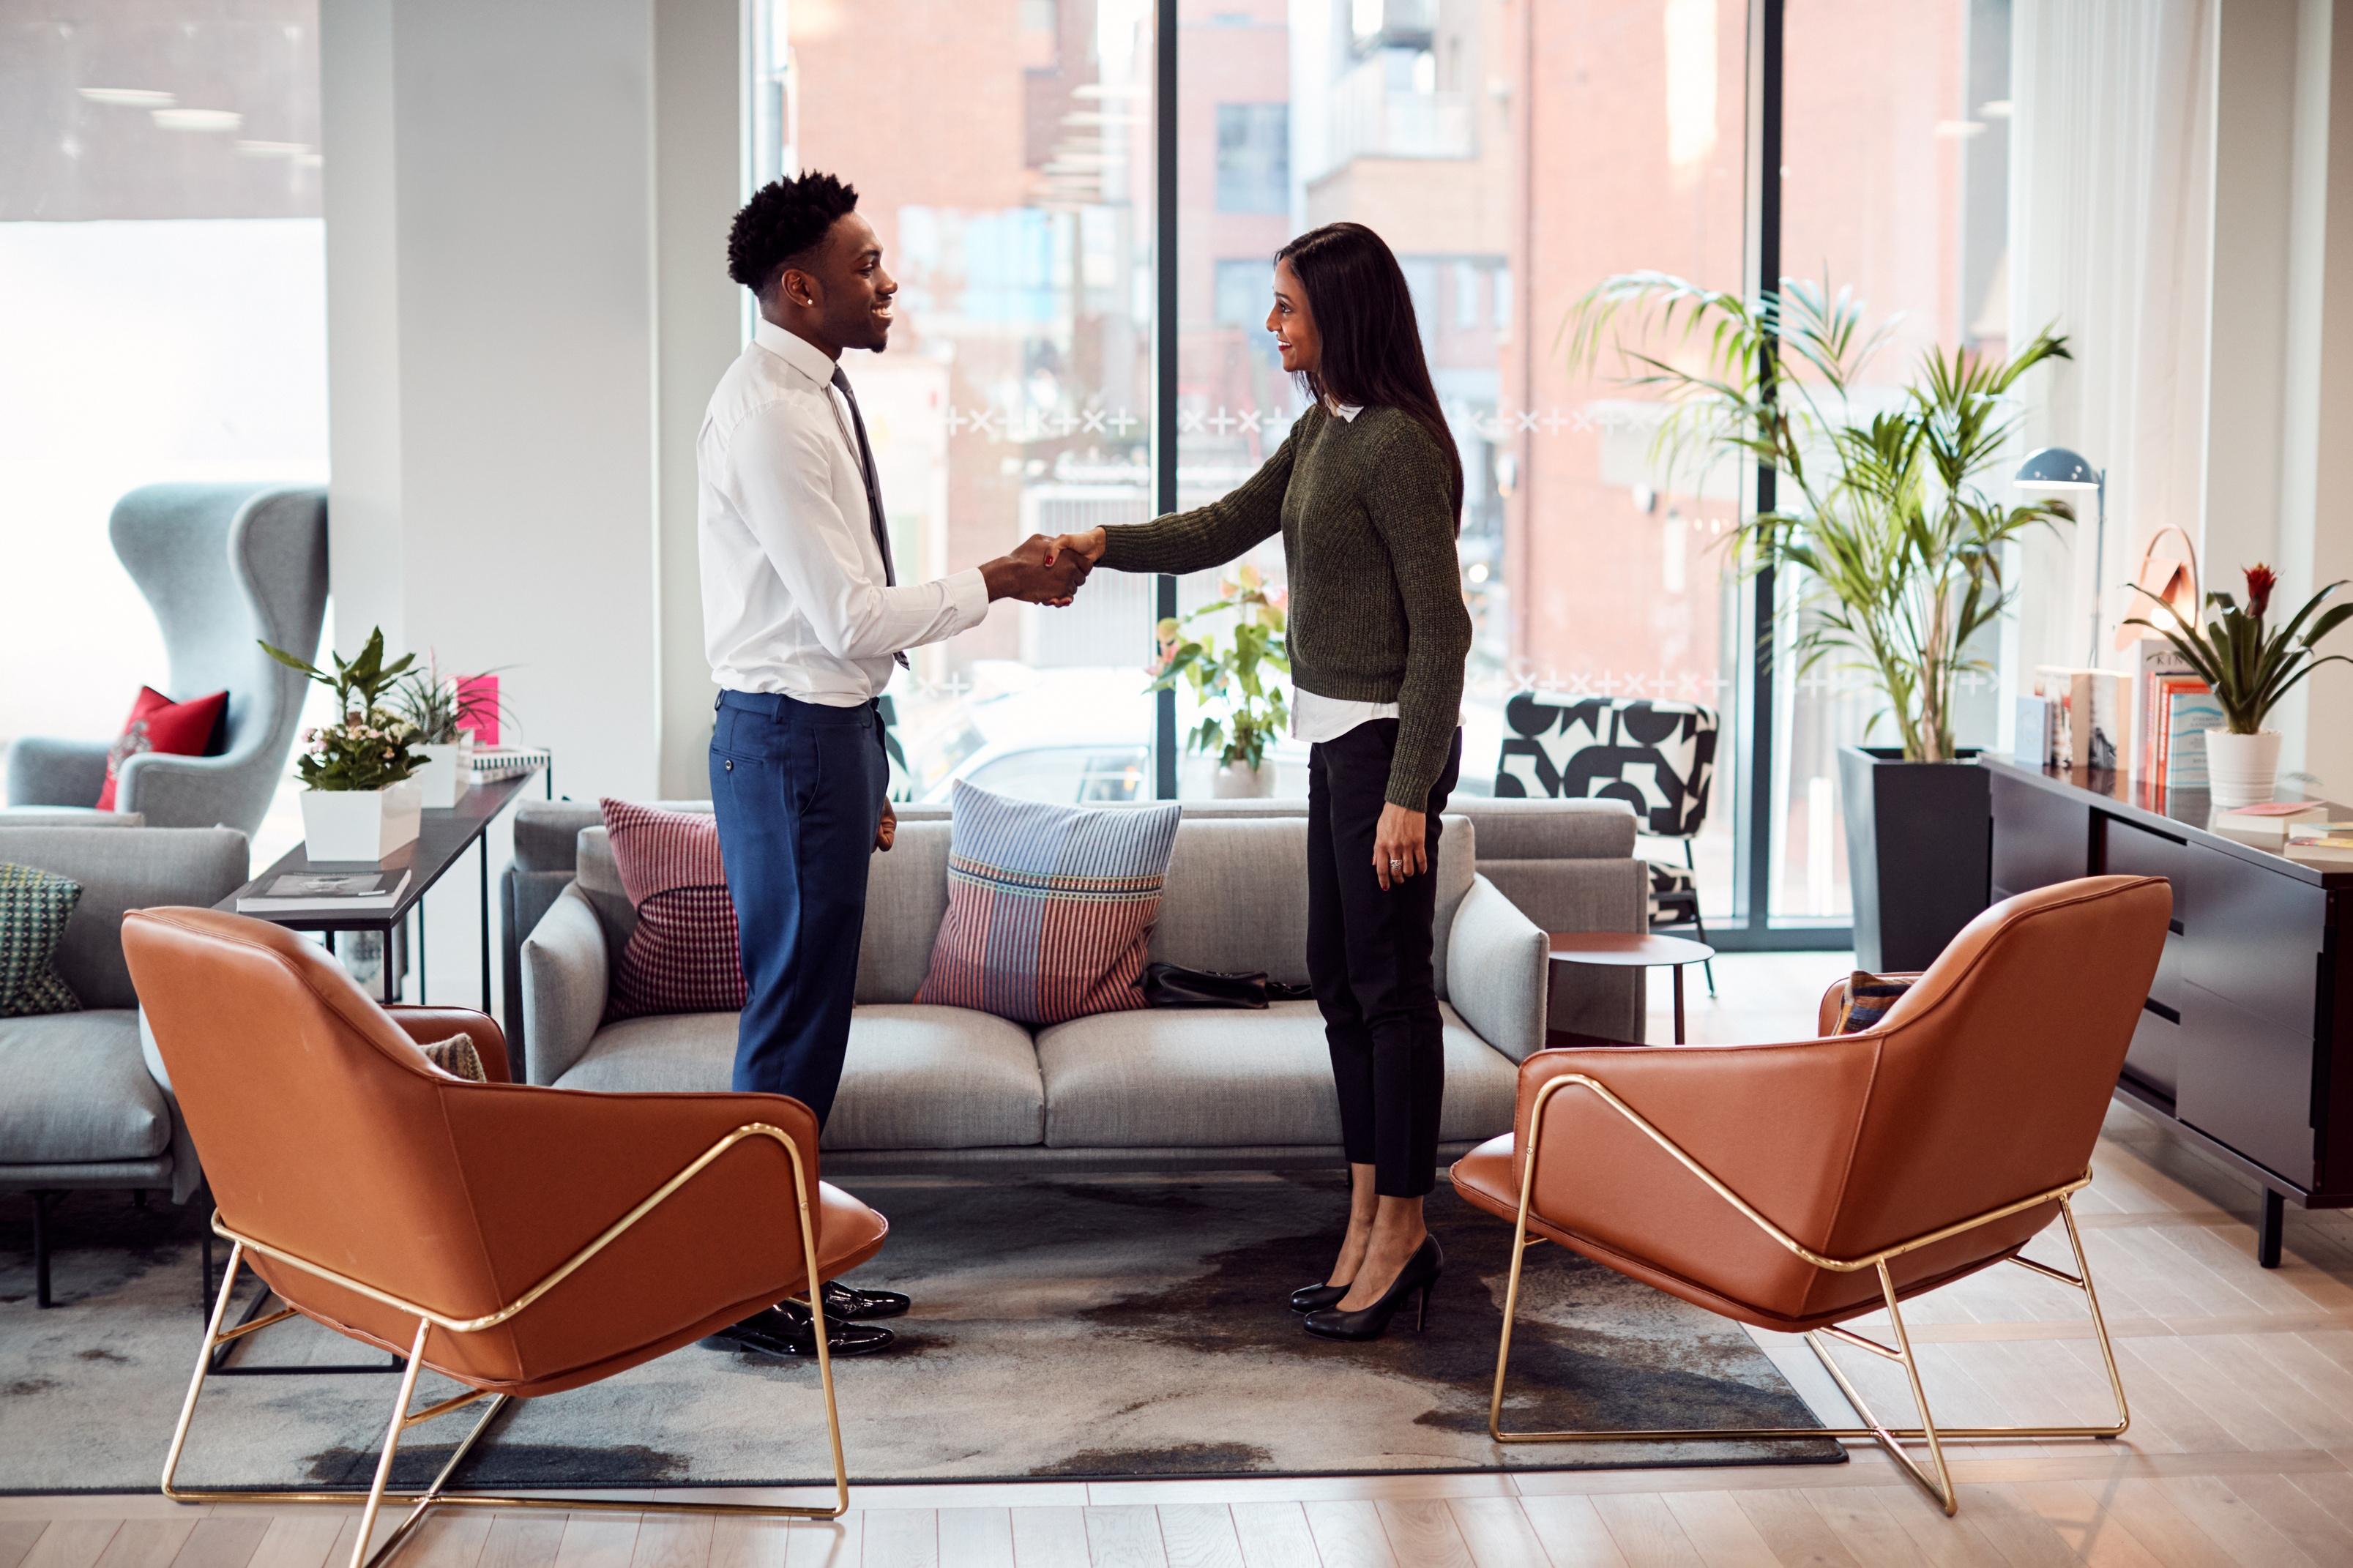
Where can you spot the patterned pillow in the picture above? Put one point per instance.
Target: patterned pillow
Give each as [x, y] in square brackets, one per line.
[457, 1057]
[682, 957]
[1657, 757]
[1051, 908]
[34, 908]
[1864, 1003]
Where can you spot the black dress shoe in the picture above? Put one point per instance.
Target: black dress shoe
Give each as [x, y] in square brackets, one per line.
[1316, 1297]
[1419, 1273]
[784, 1329]
[848, 1301]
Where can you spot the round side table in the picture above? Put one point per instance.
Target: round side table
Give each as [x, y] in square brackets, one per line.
[1624, 950]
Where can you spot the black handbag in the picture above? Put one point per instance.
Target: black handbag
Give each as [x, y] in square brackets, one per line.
[1174, 985]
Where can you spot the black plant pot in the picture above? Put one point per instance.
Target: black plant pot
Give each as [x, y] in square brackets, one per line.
[1919, 853]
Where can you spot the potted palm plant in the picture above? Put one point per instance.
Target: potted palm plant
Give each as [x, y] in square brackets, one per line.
[445, 712]
[2248, 666]
[1240, 712]
[361, 802]
[1886, 549]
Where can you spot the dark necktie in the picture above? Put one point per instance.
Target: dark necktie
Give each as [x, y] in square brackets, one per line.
[873, 487]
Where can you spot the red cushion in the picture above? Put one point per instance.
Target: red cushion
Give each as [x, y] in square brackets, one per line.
[159, 724]
[682, 958]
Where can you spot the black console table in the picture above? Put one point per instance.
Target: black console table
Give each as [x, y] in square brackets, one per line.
[2245, 1044]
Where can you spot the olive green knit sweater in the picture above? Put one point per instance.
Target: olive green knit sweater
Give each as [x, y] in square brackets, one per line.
[1366, 511]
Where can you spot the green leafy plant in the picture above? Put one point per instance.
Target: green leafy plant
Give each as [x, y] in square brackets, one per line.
[2246, 665]
[369, 747]
[440, 706]
[1243, 712]
[1896, 547]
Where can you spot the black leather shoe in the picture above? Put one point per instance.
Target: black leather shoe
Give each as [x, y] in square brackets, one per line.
[1419, 1273]
[784, 1329]
[1316, 1297]
[848, 1301]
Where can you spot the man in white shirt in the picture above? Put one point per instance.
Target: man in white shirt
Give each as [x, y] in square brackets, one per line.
[803, 619]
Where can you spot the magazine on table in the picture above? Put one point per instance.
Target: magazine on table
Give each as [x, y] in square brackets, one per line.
[324, 890]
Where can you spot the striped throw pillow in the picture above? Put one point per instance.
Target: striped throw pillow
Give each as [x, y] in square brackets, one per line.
[1051, 908]
[1865, 1002]
[682, 957]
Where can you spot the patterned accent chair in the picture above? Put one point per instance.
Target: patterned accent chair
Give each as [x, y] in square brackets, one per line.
[1657, 757]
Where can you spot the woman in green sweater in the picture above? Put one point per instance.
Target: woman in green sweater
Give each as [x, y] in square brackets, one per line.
[1366, 491]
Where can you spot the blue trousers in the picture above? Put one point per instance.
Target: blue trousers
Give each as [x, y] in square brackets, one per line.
[798, 789]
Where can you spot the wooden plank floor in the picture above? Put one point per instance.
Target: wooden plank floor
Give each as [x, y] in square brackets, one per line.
[2241, 1450]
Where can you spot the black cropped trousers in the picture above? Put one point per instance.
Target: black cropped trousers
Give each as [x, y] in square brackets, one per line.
[1368, 960]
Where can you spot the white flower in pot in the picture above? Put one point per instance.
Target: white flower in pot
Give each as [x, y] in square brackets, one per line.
[361, 802]
[2249, 668]
[1242, 714]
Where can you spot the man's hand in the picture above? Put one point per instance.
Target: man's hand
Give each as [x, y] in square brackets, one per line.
[1036, 572]
[1088, 546]
[1401, 848]
[888, 830]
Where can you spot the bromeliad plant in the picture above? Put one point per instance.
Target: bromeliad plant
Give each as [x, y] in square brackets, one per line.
[370, 747]
[1243, 712]
[2246, 665]
[1896, 547]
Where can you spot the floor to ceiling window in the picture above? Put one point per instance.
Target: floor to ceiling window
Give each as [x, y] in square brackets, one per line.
[1514, 153]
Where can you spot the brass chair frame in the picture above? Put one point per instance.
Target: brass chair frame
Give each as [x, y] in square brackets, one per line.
[435, 1495]
[1938, 1486]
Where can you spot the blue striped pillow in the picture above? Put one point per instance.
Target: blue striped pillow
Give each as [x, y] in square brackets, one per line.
[1051, 908]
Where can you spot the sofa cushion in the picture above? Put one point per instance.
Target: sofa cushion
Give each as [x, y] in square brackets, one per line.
[35, 906]
[1185, 1079]
[1237, 897]
[906, 900]
[1051, 907]
[74, 1089]
[915, 1077]
[119, 870]
[683, 956]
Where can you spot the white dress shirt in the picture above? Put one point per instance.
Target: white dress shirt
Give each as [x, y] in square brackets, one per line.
[793, 591]
[1315, 718]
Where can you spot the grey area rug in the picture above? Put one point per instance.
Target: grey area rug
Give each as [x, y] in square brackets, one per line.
[1106, 1327]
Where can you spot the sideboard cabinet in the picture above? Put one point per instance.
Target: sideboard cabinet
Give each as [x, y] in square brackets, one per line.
[2245, 1044]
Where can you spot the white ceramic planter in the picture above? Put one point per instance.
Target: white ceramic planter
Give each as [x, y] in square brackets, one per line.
[1240, 781]
[447, 773]
[360, 825]
[2240, 769]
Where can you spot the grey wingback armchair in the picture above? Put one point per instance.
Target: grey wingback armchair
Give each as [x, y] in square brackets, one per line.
[222, 565]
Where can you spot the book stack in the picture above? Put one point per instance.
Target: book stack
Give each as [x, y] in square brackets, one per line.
[507, 762]
[2327, 844]
[2089, 717]
[2176, 709]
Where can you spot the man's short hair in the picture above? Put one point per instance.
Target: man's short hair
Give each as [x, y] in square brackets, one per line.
[781, 224]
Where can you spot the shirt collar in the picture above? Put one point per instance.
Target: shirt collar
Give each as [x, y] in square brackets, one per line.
[797, 351]
[1346, 411]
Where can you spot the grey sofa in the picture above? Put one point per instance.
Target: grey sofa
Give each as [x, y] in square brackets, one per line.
[84, 1099]
[941, 1089]
[222, 565]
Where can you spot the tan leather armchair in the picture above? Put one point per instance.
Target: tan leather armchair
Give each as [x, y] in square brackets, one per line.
[522, 1241]
[1795, 1187]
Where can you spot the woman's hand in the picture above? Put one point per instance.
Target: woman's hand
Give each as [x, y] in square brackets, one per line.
[1088, 546]
[888, 830]
[1400, 846]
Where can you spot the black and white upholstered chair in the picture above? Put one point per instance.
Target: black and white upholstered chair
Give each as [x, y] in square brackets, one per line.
[1657, 757]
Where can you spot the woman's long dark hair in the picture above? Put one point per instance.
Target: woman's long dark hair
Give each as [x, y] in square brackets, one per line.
[1371, 352]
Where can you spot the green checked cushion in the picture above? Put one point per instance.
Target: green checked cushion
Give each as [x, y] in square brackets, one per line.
[34, 908]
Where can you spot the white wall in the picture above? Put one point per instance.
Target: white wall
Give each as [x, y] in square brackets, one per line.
[526, 203]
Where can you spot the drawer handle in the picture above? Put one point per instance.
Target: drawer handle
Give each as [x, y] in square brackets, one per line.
[2170, 1015]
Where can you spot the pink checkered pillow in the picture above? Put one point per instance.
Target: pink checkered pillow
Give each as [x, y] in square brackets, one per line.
[682, 958]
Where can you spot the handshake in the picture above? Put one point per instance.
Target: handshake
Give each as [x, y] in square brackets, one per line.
[1044, 571]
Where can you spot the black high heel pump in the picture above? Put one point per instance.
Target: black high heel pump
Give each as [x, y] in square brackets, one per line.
[1316, 1297]
[1419, 1273]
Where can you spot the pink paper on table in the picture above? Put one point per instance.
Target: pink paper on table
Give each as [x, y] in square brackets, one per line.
[2275, 808]
[481, 692]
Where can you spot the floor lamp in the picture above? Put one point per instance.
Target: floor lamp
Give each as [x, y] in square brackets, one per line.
[2057, 470]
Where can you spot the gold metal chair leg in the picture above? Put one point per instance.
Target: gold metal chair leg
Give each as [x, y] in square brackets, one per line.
[1938, 1484]
[434, 1496]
